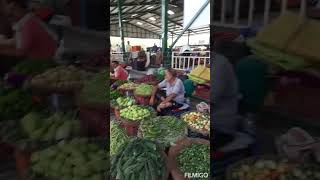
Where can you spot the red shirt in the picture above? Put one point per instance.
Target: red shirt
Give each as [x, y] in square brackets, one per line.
[34, 39]
[120, 73]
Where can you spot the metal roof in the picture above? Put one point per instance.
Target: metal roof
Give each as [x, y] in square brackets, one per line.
[146, 14]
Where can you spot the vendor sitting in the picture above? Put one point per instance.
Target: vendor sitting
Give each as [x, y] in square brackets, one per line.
[119, 72]
[174, 96]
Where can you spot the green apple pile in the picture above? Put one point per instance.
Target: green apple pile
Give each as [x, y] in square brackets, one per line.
[136, 113]
[144, 90]
[76, 159]
[56, 127]
[124, 102]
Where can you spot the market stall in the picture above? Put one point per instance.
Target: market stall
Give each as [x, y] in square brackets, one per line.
[159, 145]
[44, 120]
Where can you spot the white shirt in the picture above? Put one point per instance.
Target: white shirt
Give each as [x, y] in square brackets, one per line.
[177, 88]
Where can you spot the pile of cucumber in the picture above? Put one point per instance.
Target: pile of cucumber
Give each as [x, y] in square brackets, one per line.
[138, 159]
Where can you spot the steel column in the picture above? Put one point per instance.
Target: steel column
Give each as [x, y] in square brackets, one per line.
[191, 22]
[121, 26]
[164, 19]
[188, 37]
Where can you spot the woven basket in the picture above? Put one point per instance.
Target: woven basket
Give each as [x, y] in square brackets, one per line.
[250, 160]
[95, 120]
[174, 151]
[117, 113]
[202, 132]
[131, 127]
[141, 99]
[126, 92]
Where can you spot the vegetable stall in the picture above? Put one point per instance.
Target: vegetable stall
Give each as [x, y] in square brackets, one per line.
[44, 120]
[145, 145]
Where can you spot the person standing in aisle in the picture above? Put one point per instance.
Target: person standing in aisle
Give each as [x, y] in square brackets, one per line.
[118, 49]
[128, 47]
[154, 48]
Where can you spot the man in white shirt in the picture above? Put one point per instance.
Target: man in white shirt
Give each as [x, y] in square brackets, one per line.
[175, 91]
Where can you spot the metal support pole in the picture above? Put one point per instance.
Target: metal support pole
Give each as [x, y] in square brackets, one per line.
[121, 26]
[171, 37]
[191, 22]
[164, 19]
[188, 37]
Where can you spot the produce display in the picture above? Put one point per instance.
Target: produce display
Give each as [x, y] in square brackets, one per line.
[33, 67]
[195, 158]
[14, 104]
[114, 94]
[56, 127]
[139, 160]
[123, 102]
[201, 72]
[117, 137]
[77, 159]
[143, 90]
[118, 83]
[60, 78]
[275, 170]
[198, 121]
[196, 79]
[136, 113]
[94, 90]
[147, 79]
[163, 129]
[128, 86]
